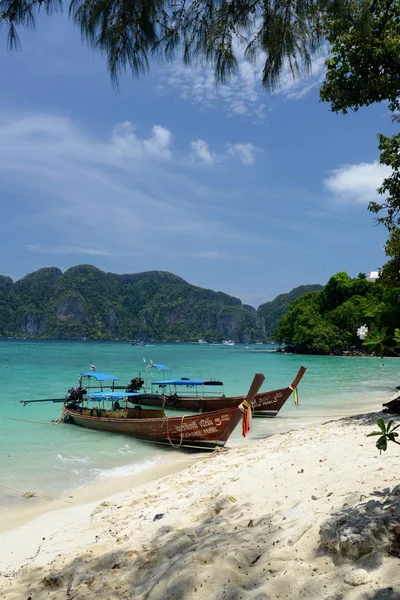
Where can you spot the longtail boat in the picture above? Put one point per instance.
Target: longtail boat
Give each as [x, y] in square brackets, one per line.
[195, 395]
[207, 430]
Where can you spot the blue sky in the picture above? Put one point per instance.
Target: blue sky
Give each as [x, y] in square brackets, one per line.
[231, 189]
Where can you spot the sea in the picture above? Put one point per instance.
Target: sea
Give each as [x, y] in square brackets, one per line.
[52, 460]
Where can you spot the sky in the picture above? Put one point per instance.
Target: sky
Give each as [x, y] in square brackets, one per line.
[232, 189]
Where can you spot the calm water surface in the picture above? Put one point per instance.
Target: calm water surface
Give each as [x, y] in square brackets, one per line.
[50, 460]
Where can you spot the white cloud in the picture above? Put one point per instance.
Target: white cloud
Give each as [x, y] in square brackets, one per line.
[244, 152]
[125, 141]
[356, 184]
[295, 88]
[196, 84]
[159, 143]
[244, 94]
[202, 153]
[68, 250]
[109, 196]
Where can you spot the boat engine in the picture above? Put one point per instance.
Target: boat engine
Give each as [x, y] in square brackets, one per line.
[135, 385]
[174, 399]
[75, 395]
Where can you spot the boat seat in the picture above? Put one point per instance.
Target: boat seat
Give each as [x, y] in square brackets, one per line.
[138, 412]
[116, 414]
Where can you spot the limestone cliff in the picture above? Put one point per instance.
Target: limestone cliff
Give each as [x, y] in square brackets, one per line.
[87, 302]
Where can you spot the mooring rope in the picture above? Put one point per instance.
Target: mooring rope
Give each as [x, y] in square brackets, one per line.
[57, 421]
[189, 446]
[18, 491]
[80, 429]
[169, 439]
[32, 494]
[26, 420]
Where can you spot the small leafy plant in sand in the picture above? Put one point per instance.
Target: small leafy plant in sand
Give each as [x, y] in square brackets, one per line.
[386, 434]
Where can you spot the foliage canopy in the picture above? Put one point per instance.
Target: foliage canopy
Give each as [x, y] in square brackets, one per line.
[326, 321]
[364, 68]
[284, 32]
[272, 311]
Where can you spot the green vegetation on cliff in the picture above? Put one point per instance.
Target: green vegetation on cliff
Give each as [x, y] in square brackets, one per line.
[326, 321]
[87, 302]
[272, 311]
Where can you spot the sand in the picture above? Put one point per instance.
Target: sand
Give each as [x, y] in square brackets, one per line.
[27, 510]
[242, 524]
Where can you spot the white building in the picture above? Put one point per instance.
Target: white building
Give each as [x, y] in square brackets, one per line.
[373, 275]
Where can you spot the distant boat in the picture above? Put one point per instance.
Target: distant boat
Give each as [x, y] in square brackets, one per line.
[228, 343]
[202, 342]
[137, 343]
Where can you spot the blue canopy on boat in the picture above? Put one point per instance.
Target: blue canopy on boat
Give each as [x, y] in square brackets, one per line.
[110, 395]
[191, 382]
[161, 367]
[100, 376]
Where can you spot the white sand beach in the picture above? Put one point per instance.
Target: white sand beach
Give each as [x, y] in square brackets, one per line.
[242, 524]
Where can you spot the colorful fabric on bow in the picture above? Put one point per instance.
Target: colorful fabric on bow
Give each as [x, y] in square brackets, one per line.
[295, 394]
[245, 407]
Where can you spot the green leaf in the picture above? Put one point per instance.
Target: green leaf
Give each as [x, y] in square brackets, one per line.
[381, 424]
[381, 444]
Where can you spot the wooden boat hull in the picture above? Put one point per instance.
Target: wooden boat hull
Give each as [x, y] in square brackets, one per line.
[204, 430]
[266, 404]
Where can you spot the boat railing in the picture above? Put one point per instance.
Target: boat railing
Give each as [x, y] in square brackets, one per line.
[189, 390]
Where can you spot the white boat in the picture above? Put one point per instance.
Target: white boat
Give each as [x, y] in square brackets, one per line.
[202, 342]
[228, 343]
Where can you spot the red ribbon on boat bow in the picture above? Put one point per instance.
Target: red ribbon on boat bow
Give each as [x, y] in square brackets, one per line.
[245, 407]
[295, 394]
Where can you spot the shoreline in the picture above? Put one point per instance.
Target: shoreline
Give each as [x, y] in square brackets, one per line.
[14, 516]
[243, 524]
[28, 509]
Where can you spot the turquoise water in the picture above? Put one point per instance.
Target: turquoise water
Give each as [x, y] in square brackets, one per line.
[50, 459]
